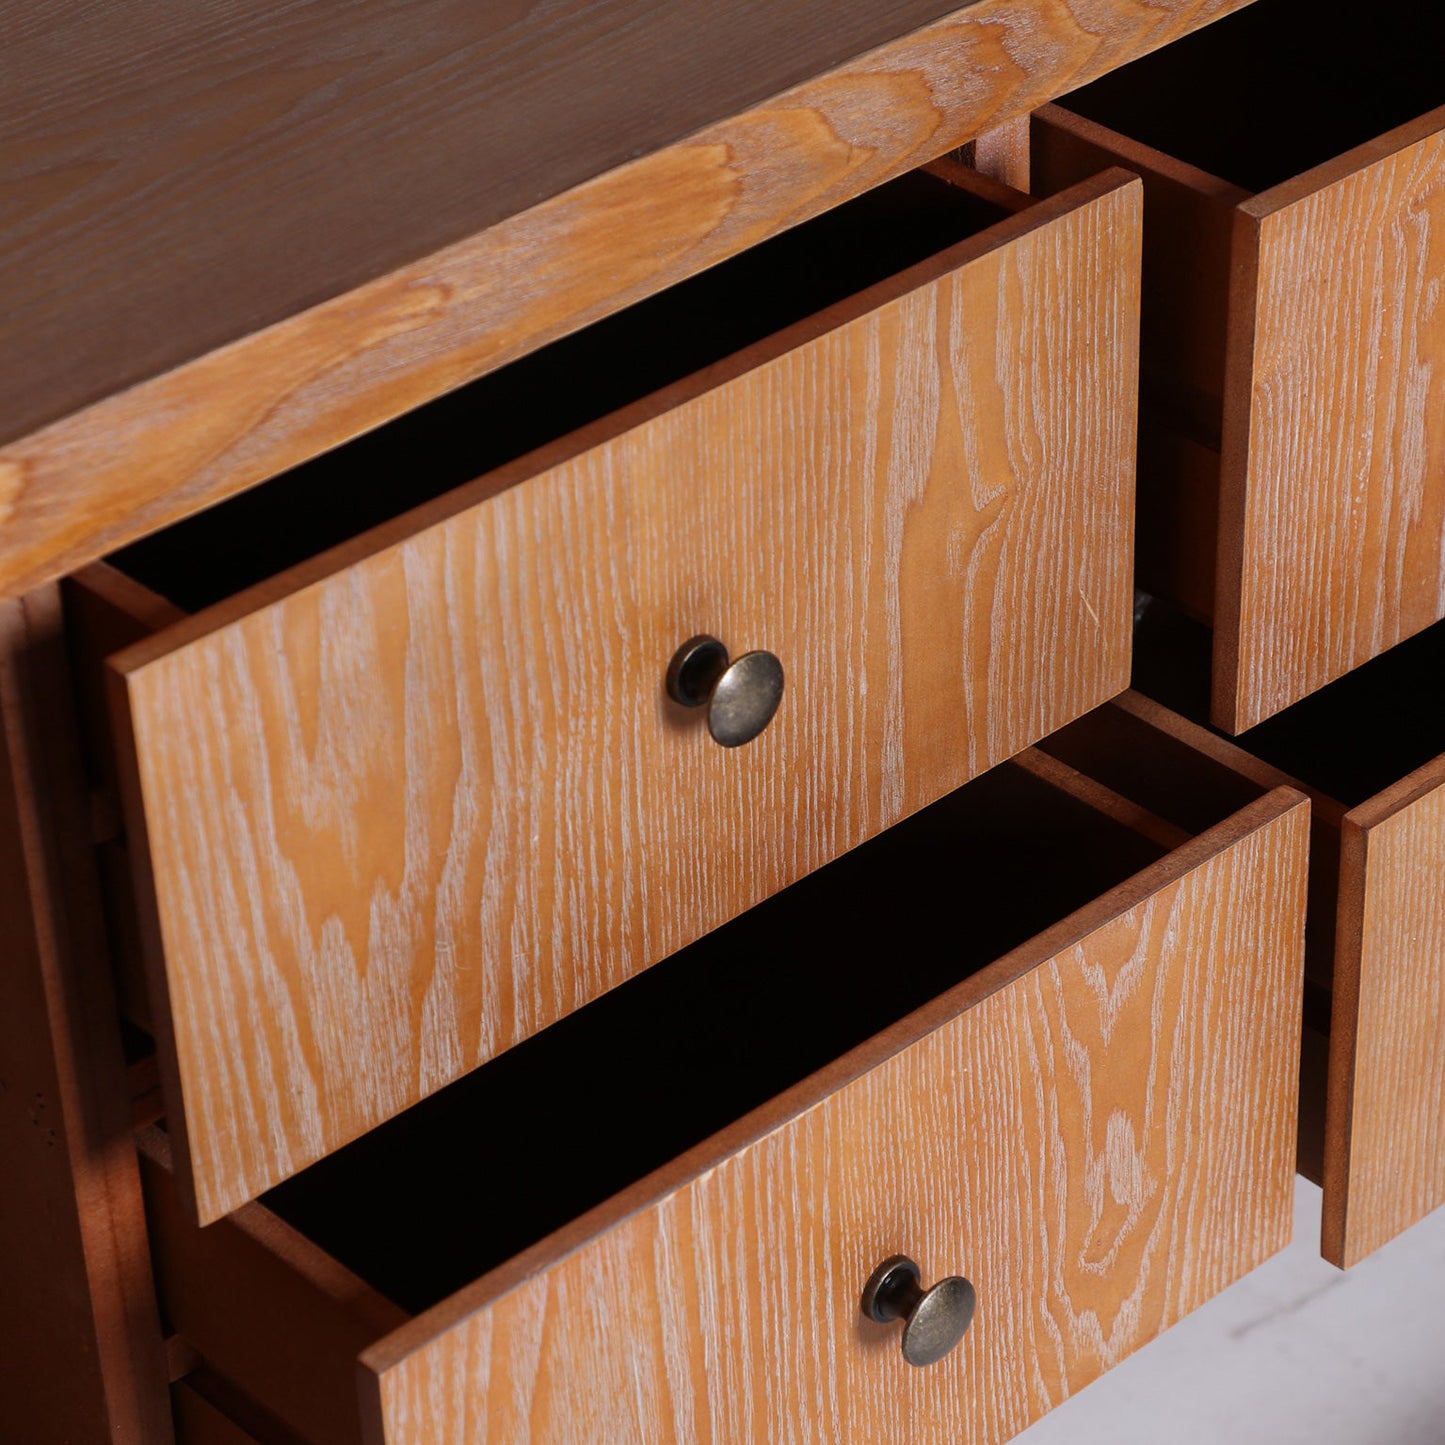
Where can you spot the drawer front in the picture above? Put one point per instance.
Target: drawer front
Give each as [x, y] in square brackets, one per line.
[1384, 1162]
[1332, 500]
[407, 808]
[1100, 1140]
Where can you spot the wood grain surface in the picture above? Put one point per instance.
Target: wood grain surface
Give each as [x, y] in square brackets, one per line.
[1097, 1130]
[1332, 504]
[1385, 1121]
[260, 313]
[80, 1342]
[415, 801]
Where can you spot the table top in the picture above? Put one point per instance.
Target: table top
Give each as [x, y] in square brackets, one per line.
[182, 175]
[233, 234]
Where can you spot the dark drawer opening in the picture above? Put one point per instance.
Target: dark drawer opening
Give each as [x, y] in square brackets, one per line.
[1350, 740]
[552, 392]
[1278, 87]
[463, 1181]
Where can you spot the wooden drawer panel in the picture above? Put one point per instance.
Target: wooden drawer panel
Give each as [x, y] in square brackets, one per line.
[1097, 1129]
[1387, 1096]
[1375, 1127]
[1294, 331]
[408, 803]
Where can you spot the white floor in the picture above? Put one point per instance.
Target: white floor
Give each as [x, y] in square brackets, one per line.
[1296, 1353]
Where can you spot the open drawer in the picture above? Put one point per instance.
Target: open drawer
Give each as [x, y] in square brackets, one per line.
[1292, 447]
[1032, 1036]
[1370, 751]
[400, 805]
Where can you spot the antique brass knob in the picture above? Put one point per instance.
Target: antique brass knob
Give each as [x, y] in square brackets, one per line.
[934, 1320]
[741, 694]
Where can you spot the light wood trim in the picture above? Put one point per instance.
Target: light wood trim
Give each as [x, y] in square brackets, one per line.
[1332, 533]
[1384, 1162]
[721, 1293]
[79, 1308]
[227, 416]
[538, 625]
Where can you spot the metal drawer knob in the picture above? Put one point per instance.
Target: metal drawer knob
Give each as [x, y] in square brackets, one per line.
[741, 695]
[934, 1320]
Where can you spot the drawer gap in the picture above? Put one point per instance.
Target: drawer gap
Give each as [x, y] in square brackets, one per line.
[502, 1158]
[1277, 88]
[562, 387]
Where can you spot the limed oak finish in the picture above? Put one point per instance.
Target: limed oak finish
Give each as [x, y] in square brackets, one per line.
[239, 236]
[1387, 1086]
[1295, 384]
[239, 242]
[406, 805]
[1373, 1129]
[1144, 1052]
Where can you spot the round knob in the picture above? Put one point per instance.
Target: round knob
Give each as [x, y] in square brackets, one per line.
[741, 695]
[934, 1320]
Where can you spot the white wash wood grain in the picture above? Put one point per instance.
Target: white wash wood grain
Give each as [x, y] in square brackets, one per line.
[403, 808]
[239, 384]
[1387, 1125]
[1335, 431]
[1100, 1145]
